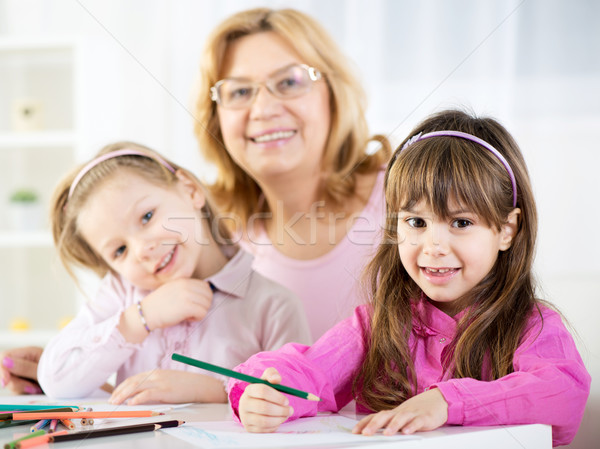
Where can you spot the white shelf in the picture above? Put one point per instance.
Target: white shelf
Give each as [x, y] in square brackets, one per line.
[19, 239]
[38, 139]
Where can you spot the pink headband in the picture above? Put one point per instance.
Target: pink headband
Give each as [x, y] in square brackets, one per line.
[112, 154]
[472, 138]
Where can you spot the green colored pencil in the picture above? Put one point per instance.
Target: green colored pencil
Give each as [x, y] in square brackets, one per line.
[244, 377]
[13, 444]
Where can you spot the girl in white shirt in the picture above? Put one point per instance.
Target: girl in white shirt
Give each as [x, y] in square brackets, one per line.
[173, 282]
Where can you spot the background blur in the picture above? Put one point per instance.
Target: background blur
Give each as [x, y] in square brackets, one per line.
[532, 64]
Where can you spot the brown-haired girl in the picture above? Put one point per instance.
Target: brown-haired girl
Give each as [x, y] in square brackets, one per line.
[454, 333]
[172, 282]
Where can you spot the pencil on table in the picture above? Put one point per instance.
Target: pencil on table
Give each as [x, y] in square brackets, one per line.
[39, 425]
[244, 377]
[12, 444]
[67, 423]
[41, 439]
[121, 430]
[79, 415]
[53, 424]
[23, 407]
[9, 415]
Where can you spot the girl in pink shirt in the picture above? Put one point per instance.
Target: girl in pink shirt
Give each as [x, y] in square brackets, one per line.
[171, 282]
[453, 333]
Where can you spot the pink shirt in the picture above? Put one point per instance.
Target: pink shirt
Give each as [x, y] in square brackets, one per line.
[549, 385]
[248, 314]
[328, 286]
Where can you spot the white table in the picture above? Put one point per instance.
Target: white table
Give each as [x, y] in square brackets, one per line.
[534, 436]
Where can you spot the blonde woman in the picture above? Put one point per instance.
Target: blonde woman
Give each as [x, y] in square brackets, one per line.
[281, 115]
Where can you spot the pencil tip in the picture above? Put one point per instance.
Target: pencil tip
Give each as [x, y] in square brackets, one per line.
[312, 397]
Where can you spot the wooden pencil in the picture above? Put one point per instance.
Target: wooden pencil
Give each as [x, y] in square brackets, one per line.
[79, 415]
[53, 425]
[67, 423]
[5, 416]
[36, 441]
[244, 377]
[22, 407]
[39, 425]
[11, 444]
[96, 433]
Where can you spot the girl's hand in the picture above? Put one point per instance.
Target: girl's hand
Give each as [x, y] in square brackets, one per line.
[18, 370]
[169, 386]
[425, 411]
[262, 408]
[177, 301]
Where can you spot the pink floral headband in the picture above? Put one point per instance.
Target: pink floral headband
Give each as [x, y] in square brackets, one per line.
[113, 154]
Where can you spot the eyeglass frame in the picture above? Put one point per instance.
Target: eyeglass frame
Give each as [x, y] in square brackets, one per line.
[313, 73]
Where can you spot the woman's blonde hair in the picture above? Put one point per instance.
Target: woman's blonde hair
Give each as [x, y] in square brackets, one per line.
[72, 248]
[234, 190]
[436, 171]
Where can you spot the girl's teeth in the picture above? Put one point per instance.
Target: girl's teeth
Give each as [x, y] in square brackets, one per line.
[274, 136]
[167, 260]
[438, 270]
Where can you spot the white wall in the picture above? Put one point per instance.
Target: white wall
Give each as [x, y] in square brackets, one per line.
[532, 64]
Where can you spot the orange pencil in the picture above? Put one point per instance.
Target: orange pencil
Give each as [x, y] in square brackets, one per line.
[36, 441]
[67, 423]
[79, 415]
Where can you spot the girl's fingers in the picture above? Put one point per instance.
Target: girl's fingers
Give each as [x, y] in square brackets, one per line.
[378, 421]
[145, 397]
[263, 424]
[264, 393]
[398, 423]
[271, 375]
[360, 425]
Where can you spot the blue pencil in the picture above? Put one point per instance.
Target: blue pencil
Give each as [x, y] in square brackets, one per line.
[40, 425]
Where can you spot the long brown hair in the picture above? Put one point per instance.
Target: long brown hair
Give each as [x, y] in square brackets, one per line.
[73, 249]
[438, 170]
[234, 190]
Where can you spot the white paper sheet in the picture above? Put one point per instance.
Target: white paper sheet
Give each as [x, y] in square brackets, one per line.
[316, 431]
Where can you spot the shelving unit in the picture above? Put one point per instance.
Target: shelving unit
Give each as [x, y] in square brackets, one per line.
[39, 141]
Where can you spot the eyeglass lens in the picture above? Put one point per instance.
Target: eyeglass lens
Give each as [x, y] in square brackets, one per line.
[289, 82]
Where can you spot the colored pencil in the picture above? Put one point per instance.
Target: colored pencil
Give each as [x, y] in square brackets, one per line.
[4, 416]
[12, 407]
[53, 424]
[11, 444]
[67, 423]
[244, 377]
[79, 415]
[41, 439]
[39, 425]
[96, 433]
[4, 424]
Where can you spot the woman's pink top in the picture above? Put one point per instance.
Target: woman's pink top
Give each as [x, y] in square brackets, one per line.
[328, 286]
[549, 385]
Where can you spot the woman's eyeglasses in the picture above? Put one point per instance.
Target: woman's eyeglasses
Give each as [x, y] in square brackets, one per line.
[290, 82]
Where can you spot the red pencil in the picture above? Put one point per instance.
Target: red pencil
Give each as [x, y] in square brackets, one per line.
[79, 415]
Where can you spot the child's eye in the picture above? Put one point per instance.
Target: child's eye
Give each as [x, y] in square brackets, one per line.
[147, 216]
[119, 251]
[416, 222]
[461, 223]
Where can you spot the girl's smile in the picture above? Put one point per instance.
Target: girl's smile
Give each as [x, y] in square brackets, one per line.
[448, 257]
[148, 233]
[167, 261]
[439, 276]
